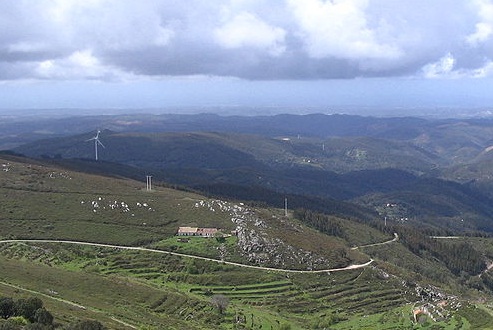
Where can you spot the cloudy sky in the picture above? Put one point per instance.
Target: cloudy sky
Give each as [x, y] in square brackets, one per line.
[261, 53]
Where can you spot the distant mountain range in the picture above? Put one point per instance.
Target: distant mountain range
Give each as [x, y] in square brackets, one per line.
[437, 172]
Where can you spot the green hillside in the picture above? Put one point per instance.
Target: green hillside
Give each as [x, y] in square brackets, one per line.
[232, 150]
[147, 289]
[365, 173]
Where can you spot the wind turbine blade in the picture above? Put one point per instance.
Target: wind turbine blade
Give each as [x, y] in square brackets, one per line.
[99, 142]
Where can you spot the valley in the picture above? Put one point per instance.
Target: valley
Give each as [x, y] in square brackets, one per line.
[359, 243]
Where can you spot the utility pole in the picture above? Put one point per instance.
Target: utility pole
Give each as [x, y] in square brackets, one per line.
[148, 182]
[286, 207]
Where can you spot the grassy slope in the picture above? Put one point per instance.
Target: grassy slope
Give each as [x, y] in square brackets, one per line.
[37, 202]
[43, 202]
[346, 168]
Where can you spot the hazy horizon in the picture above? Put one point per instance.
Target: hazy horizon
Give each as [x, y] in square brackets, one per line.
[285, 54]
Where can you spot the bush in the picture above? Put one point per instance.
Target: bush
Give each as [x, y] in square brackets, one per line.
[7, 307]
[220, 301]
[86, 325]
[42, 316]
[28, 307]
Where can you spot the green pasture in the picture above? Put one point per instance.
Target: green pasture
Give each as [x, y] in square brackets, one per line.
[38, 202]
[267, 295]
[202, 246]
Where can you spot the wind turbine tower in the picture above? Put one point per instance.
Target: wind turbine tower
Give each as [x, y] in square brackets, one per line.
[96, 143]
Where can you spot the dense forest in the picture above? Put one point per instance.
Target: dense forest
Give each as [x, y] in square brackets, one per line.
[457, 257]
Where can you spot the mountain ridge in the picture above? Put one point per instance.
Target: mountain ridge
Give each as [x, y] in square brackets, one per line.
[355, 170]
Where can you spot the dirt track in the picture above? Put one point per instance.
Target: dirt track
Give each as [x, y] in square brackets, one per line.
[121, 247]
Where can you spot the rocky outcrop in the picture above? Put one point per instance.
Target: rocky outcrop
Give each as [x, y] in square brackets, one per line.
[257, 243]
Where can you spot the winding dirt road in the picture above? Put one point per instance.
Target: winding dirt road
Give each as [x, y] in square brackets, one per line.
[122, 247]
[396, 238]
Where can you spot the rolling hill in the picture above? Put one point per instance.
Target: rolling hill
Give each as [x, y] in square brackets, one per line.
[382, 193]
[128, 288]
[453, 140]
[363, 173]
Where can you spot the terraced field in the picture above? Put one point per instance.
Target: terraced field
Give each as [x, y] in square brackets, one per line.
[193, 282]
[355, 292]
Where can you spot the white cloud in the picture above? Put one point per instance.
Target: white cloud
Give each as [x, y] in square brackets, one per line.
[484, 28]
[78, 65]
[483, 32]
[251, 39]
[339, 29]
[246, 30]
[485, 71]
[109, 24]
[444, 67]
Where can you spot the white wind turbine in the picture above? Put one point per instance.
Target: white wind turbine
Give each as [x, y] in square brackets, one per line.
[96, 143]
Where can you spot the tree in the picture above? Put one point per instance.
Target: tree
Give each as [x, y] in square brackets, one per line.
[43, 316]
[86, 325]
[14, 323]
[28, 307]
[7, 307]
[219, 236]
[37, 326]
[220, 301]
